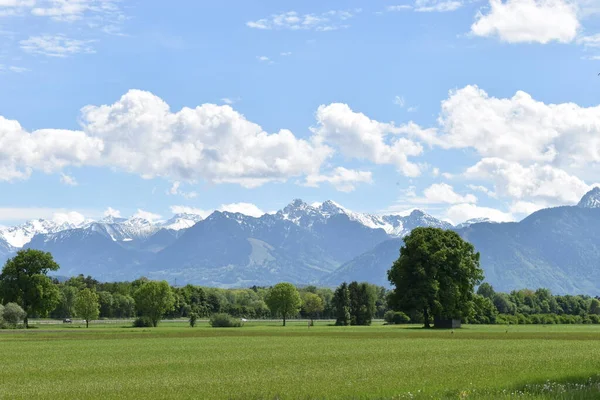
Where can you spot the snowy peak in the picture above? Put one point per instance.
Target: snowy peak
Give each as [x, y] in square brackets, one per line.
[18, 236]
[591, 199]
[181, 221]
[473, 221]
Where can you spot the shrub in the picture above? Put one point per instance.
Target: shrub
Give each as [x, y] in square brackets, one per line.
[193, 319]
[224, 321]
[13, 314]
[396, 317]
[595, 318]
[143, 322]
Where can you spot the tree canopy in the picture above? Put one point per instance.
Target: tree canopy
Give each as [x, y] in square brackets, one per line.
[153, 299]
[435, 275]
[24, 282]
[312, 305]
[283, 299]
[87, 306]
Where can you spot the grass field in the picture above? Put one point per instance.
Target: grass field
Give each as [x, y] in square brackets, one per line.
[267, 361]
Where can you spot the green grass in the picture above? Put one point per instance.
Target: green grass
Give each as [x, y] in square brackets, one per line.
[265, 360]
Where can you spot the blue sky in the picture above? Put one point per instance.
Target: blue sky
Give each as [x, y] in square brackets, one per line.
[461, 108]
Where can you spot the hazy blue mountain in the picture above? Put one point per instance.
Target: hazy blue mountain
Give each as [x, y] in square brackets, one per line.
[557, 248]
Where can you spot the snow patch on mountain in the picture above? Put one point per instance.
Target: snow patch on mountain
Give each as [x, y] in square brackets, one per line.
[19, 236]
[591, 199]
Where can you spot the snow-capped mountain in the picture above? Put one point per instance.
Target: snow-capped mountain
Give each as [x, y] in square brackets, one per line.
[306, 215]
[591, 199]
[18, 236]
[181, 221]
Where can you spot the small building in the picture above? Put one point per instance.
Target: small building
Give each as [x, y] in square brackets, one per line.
[446, 323]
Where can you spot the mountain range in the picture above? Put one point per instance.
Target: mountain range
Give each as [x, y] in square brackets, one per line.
[324, 244]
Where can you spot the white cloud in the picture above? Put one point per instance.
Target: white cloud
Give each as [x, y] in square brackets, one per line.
[538, 182]
[190, 210]
[55, 46]
[526, 208]
[285, 53]
[360, 137]
[70, 217]
[242, 208]
[540, 21]
[111, 212]
[401, 7]
[67, 180]
[175, 190]
[412, 109]
[139, 134]
[482, 189]
[263, 58]
[341, 178]
[437, 6]
[149, 216]
[12, 68]
[520, 128]
[438, 193]
[18, 214]
[459, 213]
[291, 20]
[399, 101]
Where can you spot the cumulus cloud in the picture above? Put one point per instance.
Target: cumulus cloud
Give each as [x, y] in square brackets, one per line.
[482, 189]
[292, 20]
[140, 134]
[543, 182]
[55, 45]
[190, 210]
[341, 178]
[459, 213]
[149, 216]
[519, 128]
[70, 217]
[360, 137]
[540, 21]
[242, 208]
[111, 212]
[438, 193]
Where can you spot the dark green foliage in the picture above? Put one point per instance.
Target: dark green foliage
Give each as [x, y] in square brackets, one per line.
[362, 303]
[153, 299]
[143, 322]
[341, 301]
[486, 290]
[435, 274]
[24, 281]
[484, 311]
[193, 319]
[223, 320]
[87, 305]
[396, 317]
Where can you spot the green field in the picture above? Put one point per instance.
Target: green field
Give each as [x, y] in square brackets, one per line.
[265, 360]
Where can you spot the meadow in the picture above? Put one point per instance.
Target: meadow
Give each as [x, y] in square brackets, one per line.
[264, 360]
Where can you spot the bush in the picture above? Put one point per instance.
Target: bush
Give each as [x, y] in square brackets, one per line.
[143, 322]
[193, 318]
[224, 321]
[396, 317]
[13, 314]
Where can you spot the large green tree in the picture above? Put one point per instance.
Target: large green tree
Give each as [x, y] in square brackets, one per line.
[24, 282]
[283, 299]
[312, 305]
[153, 299]
[362, 303]
[435, 274]
[87, 306]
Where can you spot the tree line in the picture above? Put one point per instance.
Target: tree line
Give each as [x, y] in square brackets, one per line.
[437, 275]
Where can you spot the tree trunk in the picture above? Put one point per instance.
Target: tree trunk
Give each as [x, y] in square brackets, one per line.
[87, 323]
[426, 318]
[26, 322]
[283, 319]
